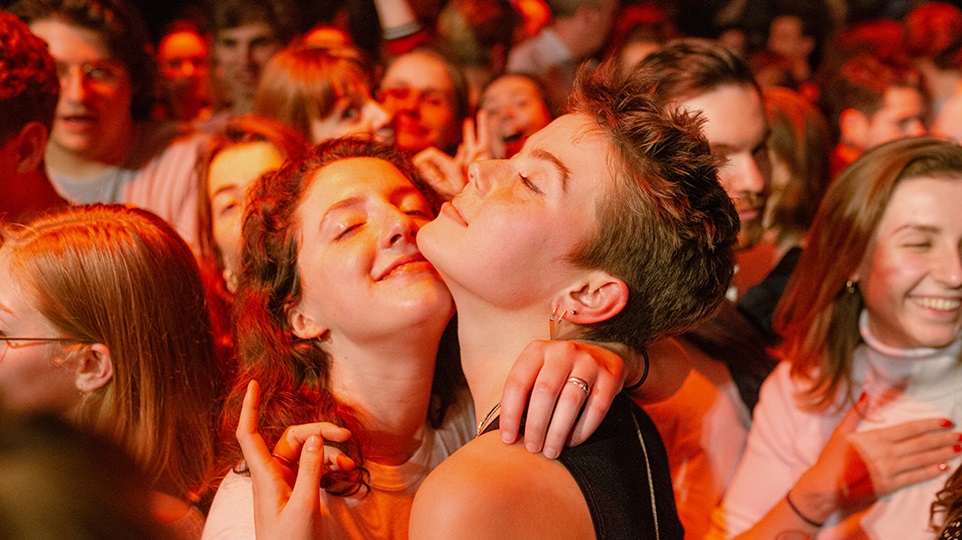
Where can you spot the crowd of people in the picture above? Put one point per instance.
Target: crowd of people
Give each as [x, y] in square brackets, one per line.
[273, 273]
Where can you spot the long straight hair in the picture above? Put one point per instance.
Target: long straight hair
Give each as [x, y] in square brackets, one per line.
[818, 314]
[122, 277]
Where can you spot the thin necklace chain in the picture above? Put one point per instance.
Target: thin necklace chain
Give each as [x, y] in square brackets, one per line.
[488, 418]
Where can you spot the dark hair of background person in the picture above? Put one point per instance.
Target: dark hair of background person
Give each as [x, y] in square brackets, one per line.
[57, 481]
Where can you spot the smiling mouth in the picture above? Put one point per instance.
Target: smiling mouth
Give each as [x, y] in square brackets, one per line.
[939, 304]
[410, 263]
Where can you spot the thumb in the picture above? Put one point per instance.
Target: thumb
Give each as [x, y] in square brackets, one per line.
[852, 417]
[310, 467]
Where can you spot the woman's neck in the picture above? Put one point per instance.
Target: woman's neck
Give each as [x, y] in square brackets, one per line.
[491, 341]
[389, 385]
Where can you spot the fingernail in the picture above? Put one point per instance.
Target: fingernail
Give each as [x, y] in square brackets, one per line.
[533, 448]
[957, 448]
[313, 443]
[947, 423]
[551, 453]
[943, 467]
[862, 397]
[507, 438]
[958, 437]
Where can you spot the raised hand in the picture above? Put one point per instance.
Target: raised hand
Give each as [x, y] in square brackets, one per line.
[286, 483]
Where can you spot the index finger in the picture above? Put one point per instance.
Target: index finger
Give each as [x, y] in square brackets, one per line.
[252, 444]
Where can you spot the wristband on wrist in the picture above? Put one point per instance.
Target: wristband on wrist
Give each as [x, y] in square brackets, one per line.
[644, 375]
[800, 515]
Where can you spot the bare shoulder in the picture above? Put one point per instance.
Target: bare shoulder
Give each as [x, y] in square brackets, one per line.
[489, 490]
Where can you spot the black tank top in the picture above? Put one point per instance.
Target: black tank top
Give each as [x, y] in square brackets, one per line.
[622, 471]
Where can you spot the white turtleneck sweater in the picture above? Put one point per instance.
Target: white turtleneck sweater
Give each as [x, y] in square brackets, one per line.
[785, 440]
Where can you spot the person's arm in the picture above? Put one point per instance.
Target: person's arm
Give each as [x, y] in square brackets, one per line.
[852, 470]
[400, 28]
[558, 412]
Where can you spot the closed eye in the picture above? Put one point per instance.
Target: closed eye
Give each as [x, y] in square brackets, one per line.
[350, 229]
[529, 185]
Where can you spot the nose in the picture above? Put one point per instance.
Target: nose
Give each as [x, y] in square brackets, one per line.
[377, 117]
[949, 269]
[915, 128]
[478, 175]
[400, 228]
[745, 176]
[73, 86]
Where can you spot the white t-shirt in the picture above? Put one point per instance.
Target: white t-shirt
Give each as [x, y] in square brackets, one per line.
[785, 440]
[159, 176]
[382, 513]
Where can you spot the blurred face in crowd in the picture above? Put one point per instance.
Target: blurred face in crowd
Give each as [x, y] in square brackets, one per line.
[182, 56]
[902, 114]
[418, 94]
[93, 114]
[241, 54]
[232, 172]
[356, 114]
[737, 131]
[515, 111]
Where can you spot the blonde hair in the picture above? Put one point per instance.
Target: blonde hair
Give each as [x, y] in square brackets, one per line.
[122, 277]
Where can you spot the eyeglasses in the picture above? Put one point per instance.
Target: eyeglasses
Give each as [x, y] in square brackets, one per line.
[13, 342]
[106, 73]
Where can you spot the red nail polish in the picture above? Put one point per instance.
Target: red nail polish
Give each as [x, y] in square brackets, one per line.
[947, 423]
[958, 437]
[957, 448]
[862, 397]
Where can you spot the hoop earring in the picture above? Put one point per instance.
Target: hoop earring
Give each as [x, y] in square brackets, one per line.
[554, 322]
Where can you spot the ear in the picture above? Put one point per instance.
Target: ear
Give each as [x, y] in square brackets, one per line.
[303, 325]
[96, 369]
[596, 299]
[853, 127]
[31, 144]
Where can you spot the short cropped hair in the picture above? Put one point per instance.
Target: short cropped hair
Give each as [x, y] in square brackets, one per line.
[861, 83]
[668, 229]
[689, 67]
[123, 30]
[29, 86]
[280, 15]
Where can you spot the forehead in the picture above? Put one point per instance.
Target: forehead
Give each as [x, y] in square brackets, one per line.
[902, 99]
[246, 32]
[69, 42]
[925, 201]
[181, 43]
[734, 116]
[355, 176]
[577, 143]
[510, 85]
[242, 164]
[417, 70]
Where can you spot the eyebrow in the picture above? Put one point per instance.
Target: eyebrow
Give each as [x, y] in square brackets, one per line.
[541, 153]
[918, 227]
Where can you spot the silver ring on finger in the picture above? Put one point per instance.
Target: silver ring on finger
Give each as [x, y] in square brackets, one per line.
[581, 383]
[284, 460]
